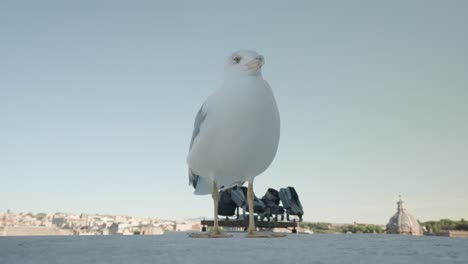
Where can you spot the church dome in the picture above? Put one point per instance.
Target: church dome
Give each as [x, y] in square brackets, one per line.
[403, 222]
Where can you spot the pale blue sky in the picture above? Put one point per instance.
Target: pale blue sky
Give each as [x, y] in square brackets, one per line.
[97, 101]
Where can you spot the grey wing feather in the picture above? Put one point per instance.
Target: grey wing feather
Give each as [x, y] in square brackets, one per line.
[201, 115]
[201, 184]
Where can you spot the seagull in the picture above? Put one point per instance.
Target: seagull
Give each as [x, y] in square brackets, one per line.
[236, 134]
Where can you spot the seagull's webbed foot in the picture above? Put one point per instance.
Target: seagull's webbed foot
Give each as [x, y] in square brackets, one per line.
[218, 234]
[252, 231]
[215, 233]
[256, 234]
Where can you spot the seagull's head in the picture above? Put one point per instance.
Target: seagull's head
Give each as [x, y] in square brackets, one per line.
[244, 62]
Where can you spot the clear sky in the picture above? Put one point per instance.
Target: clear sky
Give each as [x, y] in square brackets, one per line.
[98, 98]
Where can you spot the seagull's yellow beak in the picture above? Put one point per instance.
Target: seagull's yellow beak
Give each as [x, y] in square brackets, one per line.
[255, 64]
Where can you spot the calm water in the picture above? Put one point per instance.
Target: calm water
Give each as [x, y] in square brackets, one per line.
[179, 248]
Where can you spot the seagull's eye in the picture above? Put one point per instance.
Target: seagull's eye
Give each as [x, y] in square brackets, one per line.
[236, 59]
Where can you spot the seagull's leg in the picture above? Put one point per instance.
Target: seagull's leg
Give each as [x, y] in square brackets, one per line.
[252, 231]
[250, 200]
[215, 195]
[216, 232]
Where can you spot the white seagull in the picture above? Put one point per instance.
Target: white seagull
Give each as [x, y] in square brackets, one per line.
[236, 134]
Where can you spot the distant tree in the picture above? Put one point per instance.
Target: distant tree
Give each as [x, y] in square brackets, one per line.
[41, 216]
[462, 226]
[373, 229]
[445, 224]
[318, 227]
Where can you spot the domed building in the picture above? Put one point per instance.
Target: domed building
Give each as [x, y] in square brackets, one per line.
[403, 223]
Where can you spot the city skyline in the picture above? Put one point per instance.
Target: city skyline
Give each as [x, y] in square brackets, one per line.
[98, 100]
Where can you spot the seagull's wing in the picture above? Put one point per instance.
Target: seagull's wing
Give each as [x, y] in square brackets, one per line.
[200, 184]
[201, 115]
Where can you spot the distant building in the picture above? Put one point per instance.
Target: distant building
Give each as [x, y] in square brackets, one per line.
[184, 226]
[403, 222]
[151, 230]
[114, 229]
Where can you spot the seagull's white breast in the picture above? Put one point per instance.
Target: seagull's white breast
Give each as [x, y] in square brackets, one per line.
[239, 138]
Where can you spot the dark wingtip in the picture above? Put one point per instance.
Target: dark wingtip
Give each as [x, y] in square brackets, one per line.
[193, 179]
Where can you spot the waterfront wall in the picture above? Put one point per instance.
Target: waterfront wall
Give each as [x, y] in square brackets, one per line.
[453, 233]
[33, 231]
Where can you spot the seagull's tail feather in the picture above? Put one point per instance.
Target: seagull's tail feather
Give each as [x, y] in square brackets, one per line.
[238, 183]
[201, 185]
